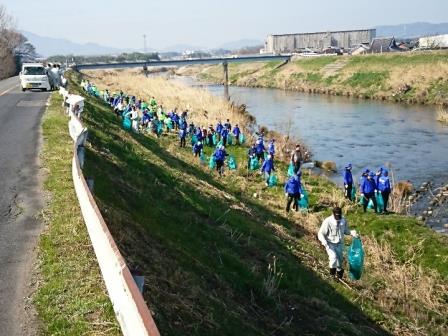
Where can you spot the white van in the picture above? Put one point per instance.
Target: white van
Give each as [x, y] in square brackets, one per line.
[34, 76]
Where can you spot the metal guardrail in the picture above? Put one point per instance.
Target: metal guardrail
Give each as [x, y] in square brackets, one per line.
[130, 308]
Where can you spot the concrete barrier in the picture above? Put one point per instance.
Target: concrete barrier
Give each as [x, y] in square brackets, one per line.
[130, 308]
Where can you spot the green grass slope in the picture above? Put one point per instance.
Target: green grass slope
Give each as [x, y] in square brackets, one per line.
[219, 261]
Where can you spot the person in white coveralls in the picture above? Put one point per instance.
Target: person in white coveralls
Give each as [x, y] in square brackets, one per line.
[331, 235]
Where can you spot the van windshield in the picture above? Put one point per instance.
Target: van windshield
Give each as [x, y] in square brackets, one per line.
[34, 71]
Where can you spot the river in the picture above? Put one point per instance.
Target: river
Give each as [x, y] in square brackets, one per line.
[366, 133]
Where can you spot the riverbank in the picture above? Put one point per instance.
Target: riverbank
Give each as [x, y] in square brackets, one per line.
[413, 78]
[70, 298]
[221, 256]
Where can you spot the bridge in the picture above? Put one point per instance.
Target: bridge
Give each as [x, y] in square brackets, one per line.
[217, 60]
[178, 63]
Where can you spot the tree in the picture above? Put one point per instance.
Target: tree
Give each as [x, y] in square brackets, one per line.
[14, 47]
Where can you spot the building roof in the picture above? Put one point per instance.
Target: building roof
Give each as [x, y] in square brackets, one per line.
[383, 44]
[329, 32]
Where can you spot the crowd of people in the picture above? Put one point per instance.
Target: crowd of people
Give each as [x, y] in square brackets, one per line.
[55, 76]
[374, 188]
[151, 117]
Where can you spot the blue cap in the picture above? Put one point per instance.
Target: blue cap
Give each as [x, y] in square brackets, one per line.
[372, 174]
[348, 165]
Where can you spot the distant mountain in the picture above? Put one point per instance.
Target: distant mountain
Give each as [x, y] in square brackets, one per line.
[409, 30]
[49, 46]
[234, 45]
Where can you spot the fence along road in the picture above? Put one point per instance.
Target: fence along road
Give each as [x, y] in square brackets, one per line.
[20, 200]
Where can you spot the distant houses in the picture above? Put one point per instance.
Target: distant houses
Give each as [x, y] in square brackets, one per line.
[354, 42]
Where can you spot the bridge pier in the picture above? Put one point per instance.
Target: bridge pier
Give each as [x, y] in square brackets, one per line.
[226, 80]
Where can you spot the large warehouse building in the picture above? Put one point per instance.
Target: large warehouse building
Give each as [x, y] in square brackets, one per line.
[288, 43]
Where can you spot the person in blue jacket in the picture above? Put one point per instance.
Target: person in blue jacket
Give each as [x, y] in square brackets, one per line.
[236, 132]
[220, 156]
[378, 173]
[271, 147]
[198, 133]
[267, 168]
[197, 148]
[384, 187]
[182, 137]
[259, 148]
[251, 153]
[363, 176]
[368, 189]
[224, 134]
[293, 191]
[219, 128]
[228, 125]
[348, 181]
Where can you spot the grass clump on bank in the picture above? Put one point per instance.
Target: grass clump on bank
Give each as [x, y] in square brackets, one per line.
[221, 257]
[71, 298]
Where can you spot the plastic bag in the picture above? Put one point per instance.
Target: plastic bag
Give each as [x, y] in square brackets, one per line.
[254, 165]
[355, 256]
[127, 123]
[215, 139]
[303, 202]
[230, 140]
[194, 139]
[273, 180]
[379, 202]
[231, 163]
[242, 138]
[211, 162]
[291, 170]
[353, 195]
[202, 160]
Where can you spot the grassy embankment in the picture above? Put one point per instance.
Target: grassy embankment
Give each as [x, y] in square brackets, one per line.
[71, 298]
[219, 260]
[411, 78]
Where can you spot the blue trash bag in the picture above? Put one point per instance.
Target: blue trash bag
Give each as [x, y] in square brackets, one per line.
[291, 170]
[231, 163]
[254, 165]
[230, 139]
[303, 202]
[219, 144]
[212, 162]
[273, 180]
[160, 128]
[379, 202]
[215, 139]
[203, 160]
[242, 138]
[355, 255]
[194, 139]
[127, 123]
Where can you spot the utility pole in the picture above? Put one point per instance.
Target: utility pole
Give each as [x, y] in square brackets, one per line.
[226, 80]
[144, 43]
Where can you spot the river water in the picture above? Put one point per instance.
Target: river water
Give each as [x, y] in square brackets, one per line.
[365, 133]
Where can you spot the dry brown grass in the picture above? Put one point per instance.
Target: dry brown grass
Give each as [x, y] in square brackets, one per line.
[442, 114]
[405, 288]
[204, 109]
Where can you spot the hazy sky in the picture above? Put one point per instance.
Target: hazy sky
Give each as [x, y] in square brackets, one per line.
[209, 23]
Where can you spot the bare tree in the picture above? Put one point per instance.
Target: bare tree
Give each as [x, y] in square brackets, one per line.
[14, 47]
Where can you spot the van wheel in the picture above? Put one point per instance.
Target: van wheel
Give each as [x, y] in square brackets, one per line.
[44, 90]
[23, 89]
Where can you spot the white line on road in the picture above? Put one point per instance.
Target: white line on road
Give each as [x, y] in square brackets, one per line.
[6, 91]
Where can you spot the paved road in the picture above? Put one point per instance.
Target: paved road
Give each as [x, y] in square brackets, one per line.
[20, 201]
